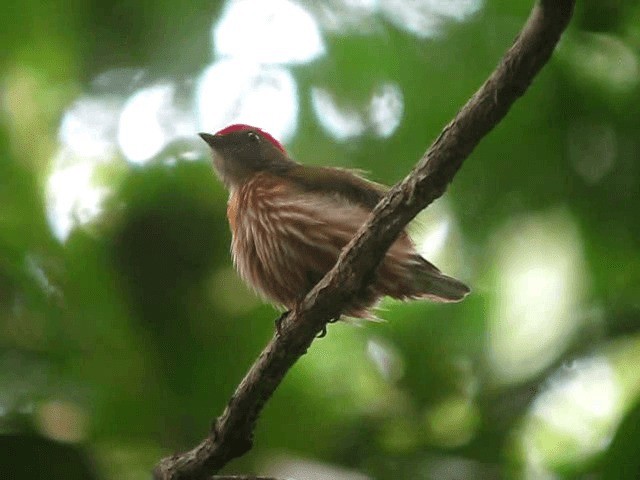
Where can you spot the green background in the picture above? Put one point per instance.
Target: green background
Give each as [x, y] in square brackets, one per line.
[121, 344]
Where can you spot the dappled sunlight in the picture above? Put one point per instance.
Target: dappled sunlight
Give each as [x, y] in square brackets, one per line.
[87, 140]
[424, 19]
[592, 148]
[580, 408]
[307, 469]
[452, 422]
[287, 33]
[386, 358]
[604, 60]
[346, 16]
[433, 238]
[340, 122]
[386, 109]
[427, 19]
[382, 114]
[431, 229]
[89, 127]
[150, 120]
[63, 421]
[235, 91]
[438, 238]
[73, 196]
[580, 403]
[100, 129]
[246, 83]
[540, 282]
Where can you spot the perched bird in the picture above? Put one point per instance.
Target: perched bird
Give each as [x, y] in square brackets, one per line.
[289, 223]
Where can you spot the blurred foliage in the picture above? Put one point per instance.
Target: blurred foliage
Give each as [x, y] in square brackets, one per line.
[121, 342]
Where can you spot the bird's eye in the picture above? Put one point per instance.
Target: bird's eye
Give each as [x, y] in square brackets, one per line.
[254, 136]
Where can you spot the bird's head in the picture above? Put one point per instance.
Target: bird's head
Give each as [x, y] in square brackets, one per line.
[240, 151]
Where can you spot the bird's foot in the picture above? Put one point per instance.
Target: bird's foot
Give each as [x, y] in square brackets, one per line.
[323, 332]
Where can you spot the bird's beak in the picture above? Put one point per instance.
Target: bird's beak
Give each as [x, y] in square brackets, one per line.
[212, 140]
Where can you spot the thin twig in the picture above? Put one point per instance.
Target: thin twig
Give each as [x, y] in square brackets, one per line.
[232, 433]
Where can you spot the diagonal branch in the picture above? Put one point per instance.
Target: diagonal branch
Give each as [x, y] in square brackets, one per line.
[232, 433]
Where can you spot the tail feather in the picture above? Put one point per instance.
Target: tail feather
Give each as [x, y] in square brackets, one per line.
[406, 275]
[439, 287]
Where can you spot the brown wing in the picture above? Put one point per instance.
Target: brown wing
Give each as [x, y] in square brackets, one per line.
[348, 184]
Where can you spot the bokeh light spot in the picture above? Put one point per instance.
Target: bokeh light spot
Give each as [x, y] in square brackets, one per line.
[382, 114]
[540, 282]
[386, 358]
[233, 91]
[340, 122]
[73, 197]
[292, 467]
[604, 60]
[281, 32]
[579, 409]
[386, 109]
[452, 422]
[437, 238]
[346, 16]
[150, 120]
[426, 19]
[62, 421]
[89, 127]
[593, 147]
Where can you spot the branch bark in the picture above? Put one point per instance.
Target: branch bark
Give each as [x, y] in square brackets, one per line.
[232, 434]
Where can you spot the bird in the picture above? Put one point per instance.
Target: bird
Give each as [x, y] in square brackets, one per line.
[289, 223]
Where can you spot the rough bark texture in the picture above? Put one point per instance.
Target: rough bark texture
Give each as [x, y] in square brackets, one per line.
[232, 433]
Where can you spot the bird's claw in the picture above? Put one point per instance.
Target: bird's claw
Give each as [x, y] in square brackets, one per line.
[323, 332]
